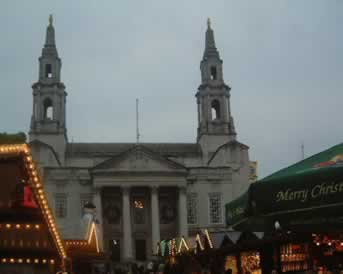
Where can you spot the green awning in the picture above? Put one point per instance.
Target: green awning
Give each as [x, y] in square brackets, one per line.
[237, 210]
[308, 192]
[312, 184]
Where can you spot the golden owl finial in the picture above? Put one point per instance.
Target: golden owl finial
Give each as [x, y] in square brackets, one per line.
[208, 22]
[50, 19]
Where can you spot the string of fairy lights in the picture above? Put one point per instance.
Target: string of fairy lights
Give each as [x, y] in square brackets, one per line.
[86, 243]
[322, 240]
[26, 261]
[37, 188]
[181, 245]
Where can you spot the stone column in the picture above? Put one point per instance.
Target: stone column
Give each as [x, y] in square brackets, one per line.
[155, 219]
[199, 112]
[183, 226]
[98, 207]
[127, 243]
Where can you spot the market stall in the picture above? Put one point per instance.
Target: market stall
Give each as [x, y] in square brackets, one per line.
[29, 238]
[188, 255]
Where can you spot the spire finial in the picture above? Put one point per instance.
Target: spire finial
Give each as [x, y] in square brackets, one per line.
[51, 19]
[208, 22]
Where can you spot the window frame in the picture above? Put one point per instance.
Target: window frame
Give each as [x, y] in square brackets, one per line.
[192, 195]
[136, 211]
[59, 197]
[211, 195]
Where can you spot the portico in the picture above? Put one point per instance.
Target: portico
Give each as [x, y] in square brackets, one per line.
[140, 205]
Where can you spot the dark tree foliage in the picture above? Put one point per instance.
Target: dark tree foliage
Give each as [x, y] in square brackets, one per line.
[16, 138]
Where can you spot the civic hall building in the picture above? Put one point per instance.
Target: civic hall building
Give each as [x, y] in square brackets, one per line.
[143, 192]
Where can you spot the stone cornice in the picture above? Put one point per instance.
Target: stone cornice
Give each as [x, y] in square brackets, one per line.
[212, 86]
[132, 173]
[42, 85]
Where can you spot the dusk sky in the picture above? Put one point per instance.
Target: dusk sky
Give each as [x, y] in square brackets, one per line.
[282, 59]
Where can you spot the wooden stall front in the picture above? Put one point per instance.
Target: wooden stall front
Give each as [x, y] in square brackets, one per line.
[29, 239]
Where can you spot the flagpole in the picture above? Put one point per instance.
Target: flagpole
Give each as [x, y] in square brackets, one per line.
[137, 122]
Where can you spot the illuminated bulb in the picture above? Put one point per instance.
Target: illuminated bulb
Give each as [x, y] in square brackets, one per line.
[40, 191]
[318, 243]
[20, 261]
[52, 261]
[4, 260]
[329, 243]
[37, 226]
[36, 261]
[44, 261]
[8, 225]
[12, 260]
[28, 261]
[17, 226]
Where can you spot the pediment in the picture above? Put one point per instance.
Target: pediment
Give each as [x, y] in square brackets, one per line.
[139, 159]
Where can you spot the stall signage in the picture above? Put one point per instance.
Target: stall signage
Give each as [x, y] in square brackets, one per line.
[323, 189]
[316, 192]
[234, 212]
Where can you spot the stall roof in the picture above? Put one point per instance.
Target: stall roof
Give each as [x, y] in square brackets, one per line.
[332, 157]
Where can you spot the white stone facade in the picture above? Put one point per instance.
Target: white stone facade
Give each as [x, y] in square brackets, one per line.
[141, 192]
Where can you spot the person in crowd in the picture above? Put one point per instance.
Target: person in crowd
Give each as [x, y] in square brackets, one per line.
[229, 271]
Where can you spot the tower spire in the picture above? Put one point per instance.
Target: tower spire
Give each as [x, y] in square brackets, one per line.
[210, 44]
[50, 34]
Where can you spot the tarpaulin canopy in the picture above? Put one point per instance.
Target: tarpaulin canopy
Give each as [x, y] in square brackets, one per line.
[309, 192]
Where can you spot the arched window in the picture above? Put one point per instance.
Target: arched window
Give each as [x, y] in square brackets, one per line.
[213, 73]
[215, 110]
[48, 109]
[48, 71]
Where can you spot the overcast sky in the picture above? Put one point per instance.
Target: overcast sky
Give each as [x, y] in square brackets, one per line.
[282, 59]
